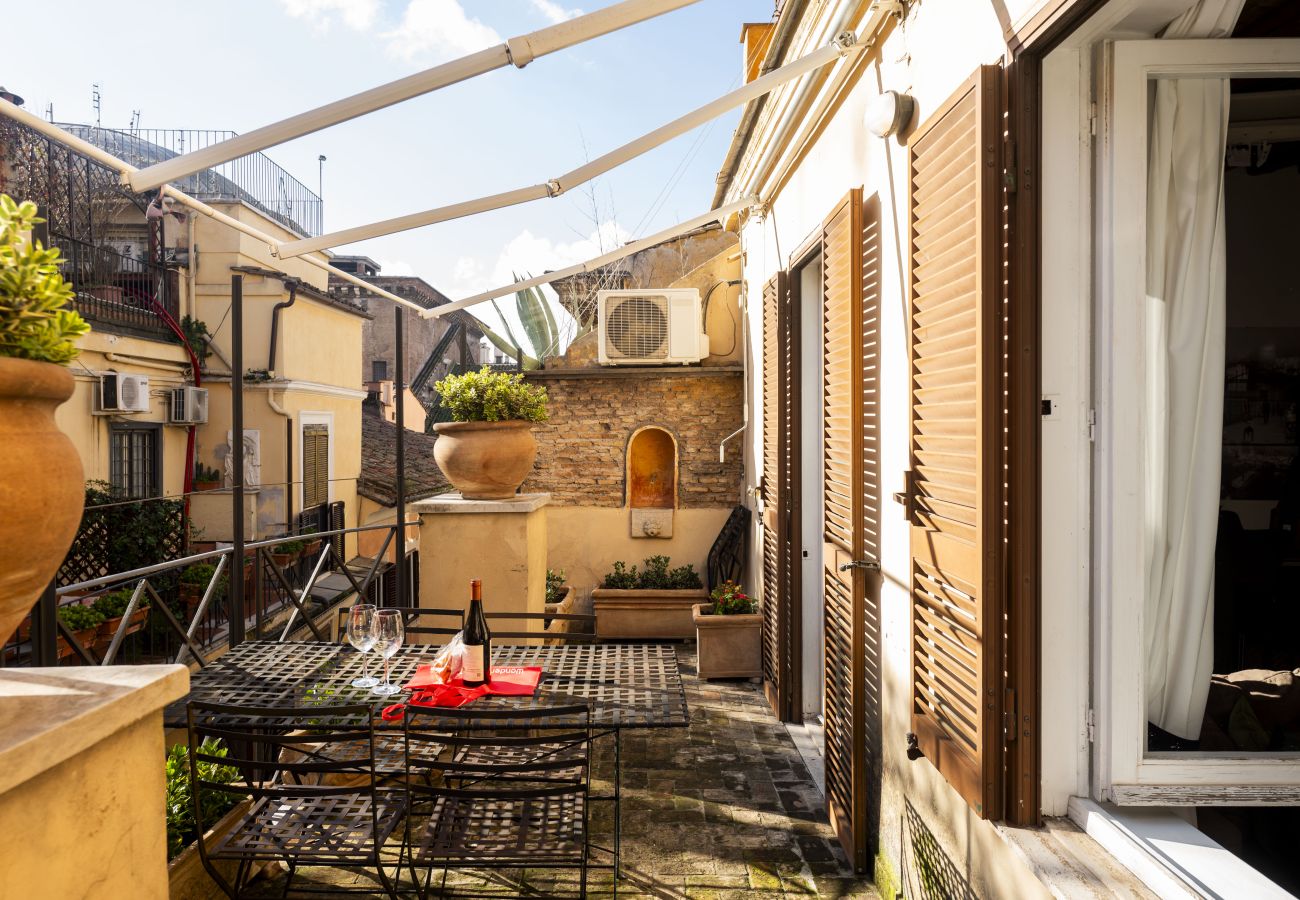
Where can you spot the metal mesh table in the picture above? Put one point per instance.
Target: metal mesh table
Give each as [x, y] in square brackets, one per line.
[627, 685]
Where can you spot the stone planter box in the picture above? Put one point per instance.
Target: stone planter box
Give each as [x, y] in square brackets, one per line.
[646, 614]
[727, 646]
[186, 877]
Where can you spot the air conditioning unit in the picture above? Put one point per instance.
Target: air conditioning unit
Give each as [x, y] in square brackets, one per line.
[121, 393]
[188, 406]
[650, 327]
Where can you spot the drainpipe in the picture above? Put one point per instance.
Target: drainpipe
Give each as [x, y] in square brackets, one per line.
[275, 322]
[288, 459]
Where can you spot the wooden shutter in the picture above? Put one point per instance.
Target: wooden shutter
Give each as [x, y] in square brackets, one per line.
[955, 493]
[315, 465]
[780, 466]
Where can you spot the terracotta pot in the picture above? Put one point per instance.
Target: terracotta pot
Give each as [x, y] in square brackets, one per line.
[42, 488]
[485, 460]
[85, 637]
[727, 646]
[206, 485]
[108, 628]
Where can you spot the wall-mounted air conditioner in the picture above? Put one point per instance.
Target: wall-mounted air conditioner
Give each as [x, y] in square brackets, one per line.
[650, 327]
[188, 406]
[122, 393]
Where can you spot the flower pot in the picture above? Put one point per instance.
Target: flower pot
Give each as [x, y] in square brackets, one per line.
[85, 637]
[108, 628]
[206, 485]
[283, 560]
[42, 488]
[485, 460]
[646, 613]
[727, 646]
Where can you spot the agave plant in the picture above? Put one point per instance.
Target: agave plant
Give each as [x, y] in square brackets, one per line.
[540, 332]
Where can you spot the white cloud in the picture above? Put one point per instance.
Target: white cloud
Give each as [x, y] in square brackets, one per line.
[358, 15]
[554, 11]
[433, 30]
[394, 267]
[531, 254]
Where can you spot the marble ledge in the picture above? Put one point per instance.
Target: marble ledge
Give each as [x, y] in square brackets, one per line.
[455, 503]
[49, 715]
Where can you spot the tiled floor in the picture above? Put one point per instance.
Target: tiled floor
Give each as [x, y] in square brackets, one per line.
[723, 809]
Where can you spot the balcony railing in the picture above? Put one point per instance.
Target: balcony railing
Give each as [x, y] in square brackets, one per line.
[116, 289]
[252, 179]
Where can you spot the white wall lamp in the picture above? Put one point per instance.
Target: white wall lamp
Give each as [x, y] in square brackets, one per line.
[889, 113]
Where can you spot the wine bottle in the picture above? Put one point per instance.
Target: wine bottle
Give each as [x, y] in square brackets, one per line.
[478, 640]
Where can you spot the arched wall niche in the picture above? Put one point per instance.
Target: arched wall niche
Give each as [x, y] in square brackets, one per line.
[652, 481]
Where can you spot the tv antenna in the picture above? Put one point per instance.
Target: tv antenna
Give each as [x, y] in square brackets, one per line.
[49, 111]
[135, 119]
[94, 102]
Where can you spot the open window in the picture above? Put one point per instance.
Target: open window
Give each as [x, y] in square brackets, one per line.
[1198, 457]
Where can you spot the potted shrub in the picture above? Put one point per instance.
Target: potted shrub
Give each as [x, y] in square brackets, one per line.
[653, 602]
[488, 451]
[285, 553]
[41, 489]
[186, 876]
[112, 606]
[83, 622]
[728, 634]
[206, 478]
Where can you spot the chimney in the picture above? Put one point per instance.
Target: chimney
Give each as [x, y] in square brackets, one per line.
[756, 36]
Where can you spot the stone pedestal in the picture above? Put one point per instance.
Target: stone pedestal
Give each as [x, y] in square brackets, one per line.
[502, 542]
[82, 791]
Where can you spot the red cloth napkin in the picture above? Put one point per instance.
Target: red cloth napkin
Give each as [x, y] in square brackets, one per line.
[507, 681]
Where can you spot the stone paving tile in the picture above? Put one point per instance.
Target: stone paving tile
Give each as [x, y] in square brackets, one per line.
[723, 809]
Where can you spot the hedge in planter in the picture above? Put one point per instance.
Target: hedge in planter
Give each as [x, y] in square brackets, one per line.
[651, 602]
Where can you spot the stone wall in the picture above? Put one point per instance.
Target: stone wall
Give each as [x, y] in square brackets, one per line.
[594, 413]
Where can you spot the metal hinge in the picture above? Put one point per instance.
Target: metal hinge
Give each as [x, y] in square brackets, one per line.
[1009, 167]
[1091, 719]
[870, 565]
[1092, 425]
[1092, 119]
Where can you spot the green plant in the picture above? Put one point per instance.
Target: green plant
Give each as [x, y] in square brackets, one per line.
[487, 396]
[114, 603]
[655, 575]
[181, 827]
[729, 600]
[80, 618]
[196, 335]
[205, 473]
[289, 547]
[541, 333]
[33, 321]
[554, 585]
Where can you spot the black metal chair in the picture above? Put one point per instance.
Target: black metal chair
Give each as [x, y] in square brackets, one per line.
[514, 791]
[310, 775]
[578, 628]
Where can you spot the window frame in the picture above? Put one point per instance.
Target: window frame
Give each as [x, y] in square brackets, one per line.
[1125, 771]
[154, 432]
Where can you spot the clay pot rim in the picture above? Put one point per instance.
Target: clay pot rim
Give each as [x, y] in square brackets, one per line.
[461, 427]
[29, 378]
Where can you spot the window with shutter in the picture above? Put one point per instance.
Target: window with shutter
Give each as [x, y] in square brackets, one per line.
[780, 467]
[315, 465]
[957, 440]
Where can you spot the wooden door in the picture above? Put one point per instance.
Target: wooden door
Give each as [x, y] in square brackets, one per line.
[781, 547]
[956, 497]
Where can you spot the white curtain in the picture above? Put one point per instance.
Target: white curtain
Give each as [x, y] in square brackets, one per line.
[1186, 300]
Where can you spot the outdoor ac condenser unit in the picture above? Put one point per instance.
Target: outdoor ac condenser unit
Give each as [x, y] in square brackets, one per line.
[650, 327]
[121, 393]
[188, 406]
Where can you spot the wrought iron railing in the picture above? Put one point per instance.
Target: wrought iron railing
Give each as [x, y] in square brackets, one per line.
[191, 625]
[117, 289]
[253, 179]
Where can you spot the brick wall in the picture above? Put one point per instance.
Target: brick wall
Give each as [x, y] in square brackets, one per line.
[581, 450]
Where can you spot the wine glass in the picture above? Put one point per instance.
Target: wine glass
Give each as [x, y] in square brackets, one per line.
[361, 634]
[389, 630]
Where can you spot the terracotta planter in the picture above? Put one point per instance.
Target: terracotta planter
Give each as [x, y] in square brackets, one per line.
[646, 614]
[727, 646]
[108, 628]
[86, 638]
[485, 460]
[186, 877]
[206, 485]
[42, 488]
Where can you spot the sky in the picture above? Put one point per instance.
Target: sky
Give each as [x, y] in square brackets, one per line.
[239, 64]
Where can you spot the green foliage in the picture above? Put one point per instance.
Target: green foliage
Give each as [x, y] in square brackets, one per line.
[33, 321]
[79, 618]
[554, 585]
[729, 600]
[196, 334]
[114, 603]
[487, 396]
[289, 547]
[540, 332]
[182, 830]
[655, 575]
[199, 574]
[205, 473]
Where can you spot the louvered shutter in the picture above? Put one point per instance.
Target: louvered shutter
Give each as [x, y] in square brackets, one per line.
[315, 465]
[956, 440]
[778, 677]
